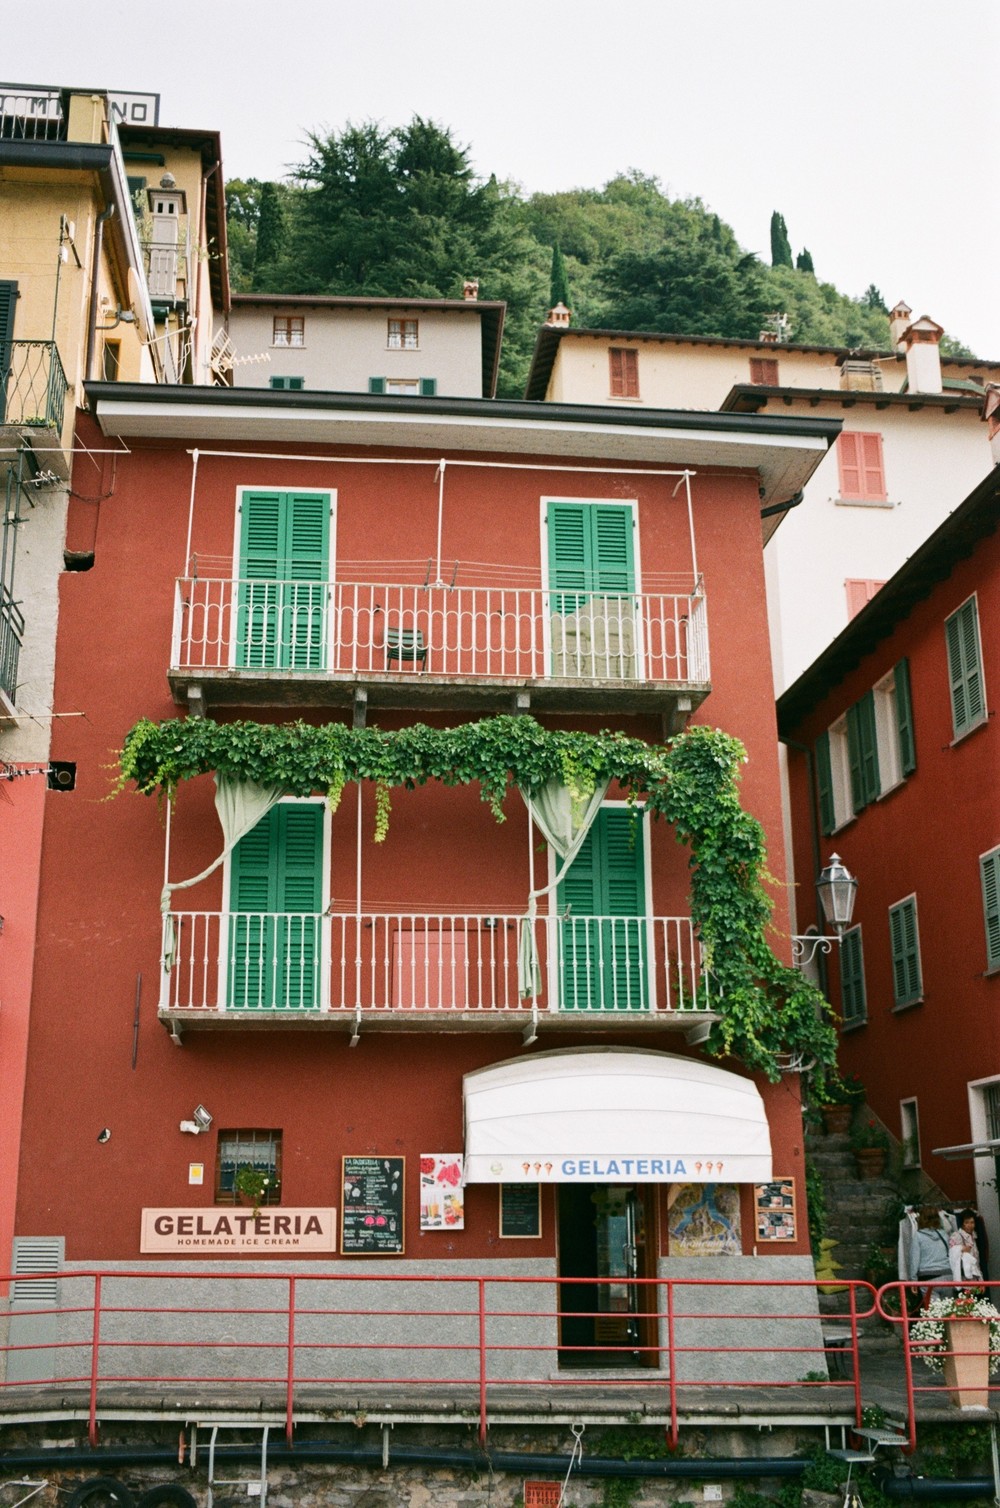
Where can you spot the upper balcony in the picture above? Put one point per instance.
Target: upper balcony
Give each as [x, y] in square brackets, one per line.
[33, 389]
[301, 643]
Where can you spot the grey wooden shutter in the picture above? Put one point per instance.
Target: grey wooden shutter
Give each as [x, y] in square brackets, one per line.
[904, 718]
[824, 784]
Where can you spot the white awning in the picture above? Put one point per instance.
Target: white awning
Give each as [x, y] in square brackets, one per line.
[613, 1115]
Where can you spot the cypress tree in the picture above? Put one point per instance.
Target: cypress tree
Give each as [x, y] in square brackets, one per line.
[781, 249]
[271, 227]
[804, 261]
[558, 282]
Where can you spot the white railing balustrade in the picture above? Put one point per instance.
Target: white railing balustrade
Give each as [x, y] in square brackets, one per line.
[415, 962]
[359, 629]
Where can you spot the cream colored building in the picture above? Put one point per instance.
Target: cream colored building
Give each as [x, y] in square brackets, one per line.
[913, 445]
[413, 347]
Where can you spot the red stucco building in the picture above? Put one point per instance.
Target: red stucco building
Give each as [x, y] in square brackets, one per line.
[893, 761]
[321, 1009]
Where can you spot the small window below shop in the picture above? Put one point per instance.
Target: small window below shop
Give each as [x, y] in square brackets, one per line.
[243, 1160]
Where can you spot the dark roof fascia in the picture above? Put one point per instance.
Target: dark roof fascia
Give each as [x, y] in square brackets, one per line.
[973, 520]
[750, 398]
[70, 156]
[491, 312]
[467, 408]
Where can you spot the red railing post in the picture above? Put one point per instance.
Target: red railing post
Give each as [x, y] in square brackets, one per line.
[95, 1348]
[672, 1362]
[904, 1319]
[482, 1360]
[855, 1358]
[290, 1378]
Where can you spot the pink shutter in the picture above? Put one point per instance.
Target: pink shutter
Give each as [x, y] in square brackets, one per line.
[860, 590]
[849, 462]
[871, 462]
[616, 358]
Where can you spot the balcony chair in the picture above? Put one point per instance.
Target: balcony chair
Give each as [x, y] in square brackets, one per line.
[403, 644]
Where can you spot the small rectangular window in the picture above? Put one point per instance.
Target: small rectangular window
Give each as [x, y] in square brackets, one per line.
[860, 591]
[624, 371]
[403, 335]
[259, 1151]
[288, 330]
[111, 360]
[989, 873]
[763, 371]
[853, 999]
[862, 753]
[907, 985]
[909, 1127]
[862, 473]
[288, 384]
[965, 668]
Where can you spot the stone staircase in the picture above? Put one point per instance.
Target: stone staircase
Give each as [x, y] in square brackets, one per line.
[858, 1210]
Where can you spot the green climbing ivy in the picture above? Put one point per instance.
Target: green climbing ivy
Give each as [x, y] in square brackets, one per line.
[767, 1010]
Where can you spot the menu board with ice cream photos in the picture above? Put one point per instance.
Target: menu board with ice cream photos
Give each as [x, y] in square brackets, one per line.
[372, 1217]
[442, 1198]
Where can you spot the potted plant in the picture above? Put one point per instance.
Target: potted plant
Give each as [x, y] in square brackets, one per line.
[870, 1145]
[254, 1184]
[959, 1335]
[838, 1107]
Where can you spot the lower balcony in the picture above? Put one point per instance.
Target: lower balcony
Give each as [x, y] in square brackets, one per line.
[412, 972]
[319, 643]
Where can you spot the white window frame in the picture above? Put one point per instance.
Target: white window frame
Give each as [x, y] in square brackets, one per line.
[840, 774]
[616, 502]
[890, 766]
[331, 562]
[399, 340]
[909, 1127]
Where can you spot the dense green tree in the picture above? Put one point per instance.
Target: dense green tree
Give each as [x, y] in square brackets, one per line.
[872, 299]
[685, 288]
[781, 247]
[804, 261]
[242, 211]
[558, 281]
[272, 229]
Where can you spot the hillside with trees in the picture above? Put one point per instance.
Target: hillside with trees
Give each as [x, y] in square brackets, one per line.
[399, 211]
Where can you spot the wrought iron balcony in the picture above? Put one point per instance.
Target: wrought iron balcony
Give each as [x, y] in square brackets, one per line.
[32, 385]
[11, 639]
[409, 970]
[288, 643]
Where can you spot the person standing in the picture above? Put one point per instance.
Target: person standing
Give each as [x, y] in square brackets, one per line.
[963, 1252]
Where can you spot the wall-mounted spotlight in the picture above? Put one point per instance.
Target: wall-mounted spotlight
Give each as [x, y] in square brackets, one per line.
[200, 1121]
[105, 1135]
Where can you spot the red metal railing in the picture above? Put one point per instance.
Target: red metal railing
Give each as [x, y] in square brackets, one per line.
[903, 1305]
[473, 1339]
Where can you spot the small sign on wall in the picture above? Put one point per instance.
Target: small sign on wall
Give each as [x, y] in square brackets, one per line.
[196, 1172]
[273, 1232]
[520, 1211]
[442, 1198]
[774, 1210]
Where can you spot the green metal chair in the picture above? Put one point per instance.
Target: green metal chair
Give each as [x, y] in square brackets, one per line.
[405, 644]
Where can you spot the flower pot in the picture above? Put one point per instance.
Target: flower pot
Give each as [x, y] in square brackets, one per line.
[967, 1368]
[870, 1161]
[837, 1119]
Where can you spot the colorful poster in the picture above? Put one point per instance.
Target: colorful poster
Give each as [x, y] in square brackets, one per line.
[774, 1210]
[704, 1221]
[442, 1198]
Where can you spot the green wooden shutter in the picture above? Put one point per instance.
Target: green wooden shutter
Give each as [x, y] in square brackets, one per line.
[862, 752]
[906, 982]
[277, 876]
[604, 962]
[428, 387]
[8, 303]
[376, 384]
[284, 562]
[989, 869]
[591, 568]
[904, 718]
[965, 669]
[824, 784]
[853, 999]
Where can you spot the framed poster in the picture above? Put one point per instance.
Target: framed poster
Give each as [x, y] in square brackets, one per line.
[704, 1221]
[774, 1210]
[520, 1211]
[442, 1198]
[372, 1212]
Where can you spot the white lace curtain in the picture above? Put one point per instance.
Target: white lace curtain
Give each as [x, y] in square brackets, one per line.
[564, 822]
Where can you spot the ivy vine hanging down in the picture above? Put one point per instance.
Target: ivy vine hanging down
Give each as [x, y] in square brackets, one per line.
[766, 1008]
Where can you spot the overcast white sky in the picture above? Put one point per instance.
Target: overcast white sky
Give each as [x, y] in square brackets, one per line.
[866, 122]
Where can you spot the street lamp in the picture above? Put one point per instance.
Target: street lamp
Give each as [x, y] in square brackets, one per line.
[836, 888]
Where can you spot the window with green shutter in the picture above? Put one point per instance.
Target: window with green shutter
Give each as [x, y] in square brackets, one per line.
[862, 752]
[281, 618]
[288, 384]
[904, 718]
[276, 897]
[591, 558]
[824, 785]
[8, 303]
[907, 986]
[602, 903]
[965, 667]
[853, 1000]
[989, 872]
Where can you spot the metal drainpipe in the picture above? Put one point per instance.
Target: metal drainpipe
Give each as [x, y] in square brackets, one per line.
[95, 274]
[202, 235]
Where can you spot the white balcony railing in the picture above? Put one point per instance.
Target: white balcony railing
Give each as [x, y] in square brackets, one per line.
[467, 632]
[392, 962]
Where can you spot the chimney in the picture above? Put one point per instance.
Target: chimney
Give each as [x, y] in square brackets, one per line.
[923, 359]
[559, 317]
[470, 290]
[899, 318]
[991, 413]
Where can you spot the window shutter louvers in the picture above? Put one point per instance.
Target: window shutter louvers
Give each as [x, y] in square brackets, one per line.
[965, 670]
[428, 387]
[989, 870]
[853, 1000]
[862, 472]
[824, 785]
[904, 718]
[905, 952]
[376, 384]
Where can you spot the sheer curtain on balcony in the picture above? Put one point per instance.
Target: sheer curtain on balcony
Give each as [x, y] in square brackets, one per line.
[240, 805]
[564, 821]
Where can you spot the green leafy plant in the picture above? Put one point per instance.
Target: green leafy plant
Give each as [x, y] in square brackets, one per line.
[845, 1090]
[869, 1135]
[769, 1013]
[928, 1336]
[816, 1204]
[254, 1184]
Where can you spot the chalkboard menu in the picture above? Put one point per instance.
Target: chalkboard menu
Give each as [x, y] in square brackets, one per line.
[520, 1209]
[372, 1211]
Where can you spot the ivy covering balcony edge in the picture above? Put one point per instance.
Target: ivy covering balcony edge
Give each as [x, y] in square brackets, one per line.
[767, 1009]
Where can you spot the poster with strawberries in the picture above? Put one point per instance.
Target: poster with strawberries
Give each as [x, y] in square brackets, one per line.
[442, 1198]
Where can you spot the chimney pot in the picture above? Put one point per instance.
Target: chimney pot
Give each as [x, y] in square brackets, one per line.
[470, 289]
[559, 316]
[923, 359]
[899, 319]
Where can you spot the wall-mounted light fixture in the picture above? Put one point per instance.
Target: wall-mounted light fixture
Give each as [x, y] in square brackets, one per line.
[200, 1121]
[836, 888]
